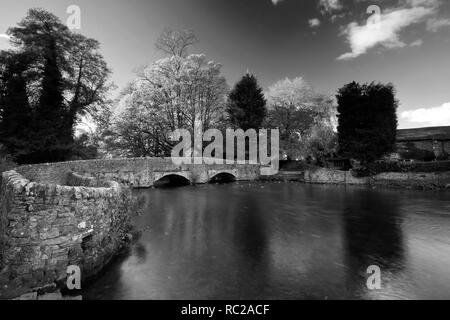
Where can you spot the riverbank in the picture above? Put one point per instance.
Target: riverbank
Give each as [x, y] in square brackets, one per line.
[407, 180]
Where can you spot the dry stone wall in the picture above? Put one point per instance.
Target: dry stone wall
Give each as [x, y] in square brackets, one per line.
[77, 213]
[416, 180]
[45, 227]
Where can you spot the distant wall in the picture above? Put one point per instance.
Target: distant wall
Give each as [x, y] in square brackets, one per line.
[394, 179]
[46, 227]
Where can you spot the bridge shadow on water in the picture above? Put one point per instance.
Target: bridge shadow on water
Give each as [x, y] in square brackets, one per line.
[172, 181]
[223, 178]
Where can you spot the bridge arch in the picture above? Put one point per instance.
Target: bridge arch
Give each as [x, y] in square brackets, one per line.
[222, 177]
[172, 179]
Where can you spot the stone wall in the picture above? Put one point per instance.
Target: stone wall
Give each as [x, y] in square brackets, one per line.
[59, 214]
[416, 180]
[45, 227]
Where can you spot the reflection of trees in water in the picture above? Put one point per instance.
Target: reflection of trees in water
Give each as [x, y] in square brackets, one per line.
[251, 230]
[140, 252]
[251, 244]
[372, 234]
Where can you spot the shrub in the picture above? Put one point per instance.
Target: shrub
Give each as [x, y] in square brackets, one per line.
[414, 153]
[292, 165]
[6, 164]
[401, 166]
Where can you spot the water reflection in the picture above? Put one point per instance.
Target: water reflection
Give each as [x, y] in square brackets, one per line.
[283, 241]
[373, 236]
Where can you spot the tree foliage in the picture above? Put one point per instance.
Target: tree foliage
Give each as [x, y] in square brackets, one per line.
[15, 109]
[320, 143]
[64, 78]
[367, 120]
[246, 106]
[296, 109]
[175, 92]
[176, 42]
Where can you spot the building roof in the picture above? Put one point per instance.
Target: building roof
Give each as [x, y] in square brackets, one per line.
[423, 134]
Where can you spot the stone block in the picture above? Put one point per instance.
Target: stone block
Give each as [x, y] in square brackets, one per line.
[27, 296]
[51, 296]
[52, 234]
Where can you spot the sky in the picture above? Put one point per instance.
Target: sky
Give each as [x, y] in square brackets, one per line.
[327, 42]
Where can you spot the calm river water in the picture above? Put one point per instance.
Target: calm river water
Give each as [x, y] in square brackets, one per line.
[283, 241]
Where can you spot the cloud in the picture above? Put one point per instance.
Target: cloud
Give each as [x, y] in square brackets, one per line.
[275, 2]
[383, 30]
[437, 116]
[434, 25]
[416, 43]
[314, 23]
[4, 42]
[330, 6]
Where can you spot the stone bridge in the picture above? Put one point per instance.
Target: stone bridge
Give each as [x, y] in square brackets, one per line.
[138, 172]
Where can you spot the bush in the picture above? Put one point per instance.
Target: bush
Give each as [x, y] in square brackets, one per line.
[6, 164]
[401, 166]
[292, 165]
[414, 153]
[435, 166]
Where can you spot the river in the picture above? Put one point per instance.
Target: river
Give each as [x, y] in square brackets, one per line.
[283, 241]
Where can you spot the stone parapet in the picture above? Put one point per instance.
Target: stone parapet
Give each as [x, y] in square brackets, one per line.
[46, 227]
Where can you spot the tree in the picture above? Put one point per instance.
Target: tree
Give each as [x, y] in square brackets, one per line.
[367, 117]
[246, 107]
[295, 109]
[175, 43]
[65, 79]
[175, 92]
[321, 143]
[139, 131]
[84, 148]
[15, 109]
[51, 140]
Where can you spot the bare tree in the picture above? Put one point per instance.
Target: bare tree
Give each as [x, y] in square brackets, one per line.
[176, 43]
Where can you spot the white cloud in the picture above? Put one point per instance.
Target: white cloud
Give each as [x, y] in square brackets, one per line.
[416, 43]
[314, 23]
[384, 30]
[330, 6]
[4, 42]
[437, 116]
[434, 25]
[275, 2]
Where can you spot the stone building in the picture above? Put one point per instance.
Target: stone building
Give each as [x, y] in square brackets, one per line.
[428, 142]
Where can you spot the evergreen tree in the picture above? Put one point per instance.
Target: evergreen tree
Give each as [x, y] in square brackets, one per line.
[52, 143]
[15, 108]
[367, 120]
[246, 105]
